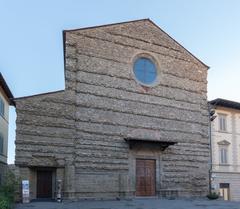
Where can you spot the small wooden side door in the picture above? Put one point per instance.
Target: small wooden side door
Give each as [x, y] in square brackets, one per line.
[44, 184]
[145, 177]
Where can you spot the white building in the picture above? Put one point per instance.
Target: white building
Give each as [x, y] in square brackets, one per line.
[5, 101]
[226, 148]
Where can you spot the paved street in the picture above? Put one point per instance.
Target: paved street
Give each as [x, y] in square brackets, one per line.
[134, 204]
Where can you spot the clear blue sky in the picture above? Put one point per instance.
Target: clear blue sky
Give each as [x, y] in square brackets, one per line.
[31, 54]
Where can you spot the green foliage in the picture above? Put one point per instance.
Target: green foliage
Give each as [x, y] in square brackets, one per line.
[4, 202]
[7, 190]
[213, 196]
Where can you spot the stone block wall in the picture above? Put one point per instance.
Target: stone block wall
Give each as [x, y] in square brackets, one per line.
[82, 129]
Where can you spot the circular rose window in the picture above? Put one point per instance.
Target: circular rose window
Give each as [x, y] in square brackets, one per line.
[145, 71]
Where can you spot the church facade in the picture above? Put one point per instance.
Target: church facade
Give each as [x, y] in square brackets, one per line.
[132, 120]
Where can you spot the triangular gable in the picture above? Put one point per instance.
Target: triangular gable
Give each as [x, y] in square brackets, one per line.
[143, 30]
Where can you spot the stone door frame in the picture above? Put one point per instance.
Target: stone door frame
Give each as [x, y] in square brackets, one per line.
[148, 155]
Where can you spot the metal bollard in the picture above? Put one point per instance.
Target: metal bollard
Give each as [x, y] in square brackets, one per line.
[59, 190]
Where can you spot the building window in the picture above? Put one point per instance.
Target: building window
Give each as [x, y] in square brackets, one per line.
[222, 122]
[1, 144]
[223, 155]
[145, 71]
[1, 107]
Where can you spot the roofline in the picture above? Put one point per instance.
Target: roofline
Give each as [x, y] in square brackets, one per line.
[85, 28]
[106, 25]
[219, 102]
[179, 44]
[36, 95]
[131, 21]
[6, 90]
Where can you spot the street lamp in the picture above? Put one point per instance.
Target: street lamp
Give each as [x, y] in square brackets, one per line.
[211, 116]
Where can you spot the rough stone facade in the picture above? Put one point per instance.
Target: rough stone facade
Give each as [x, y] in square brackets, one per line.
[79, 132]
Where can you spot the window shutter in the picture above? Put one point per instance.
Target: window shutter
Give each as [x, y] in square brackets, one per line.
[223, 156]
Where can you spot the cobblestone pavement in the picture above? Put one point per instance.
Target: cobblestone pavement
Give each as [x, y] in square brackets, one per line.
[134, 204]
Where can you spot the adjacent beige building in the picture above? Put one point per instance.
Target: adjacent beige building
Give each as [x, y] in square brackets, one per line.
[226, 148]
[132, 120]
[5, 100]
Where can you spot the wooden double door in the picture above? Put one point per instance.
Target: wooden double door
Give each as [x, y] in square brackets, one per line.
[44, 184]
[145, 177]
